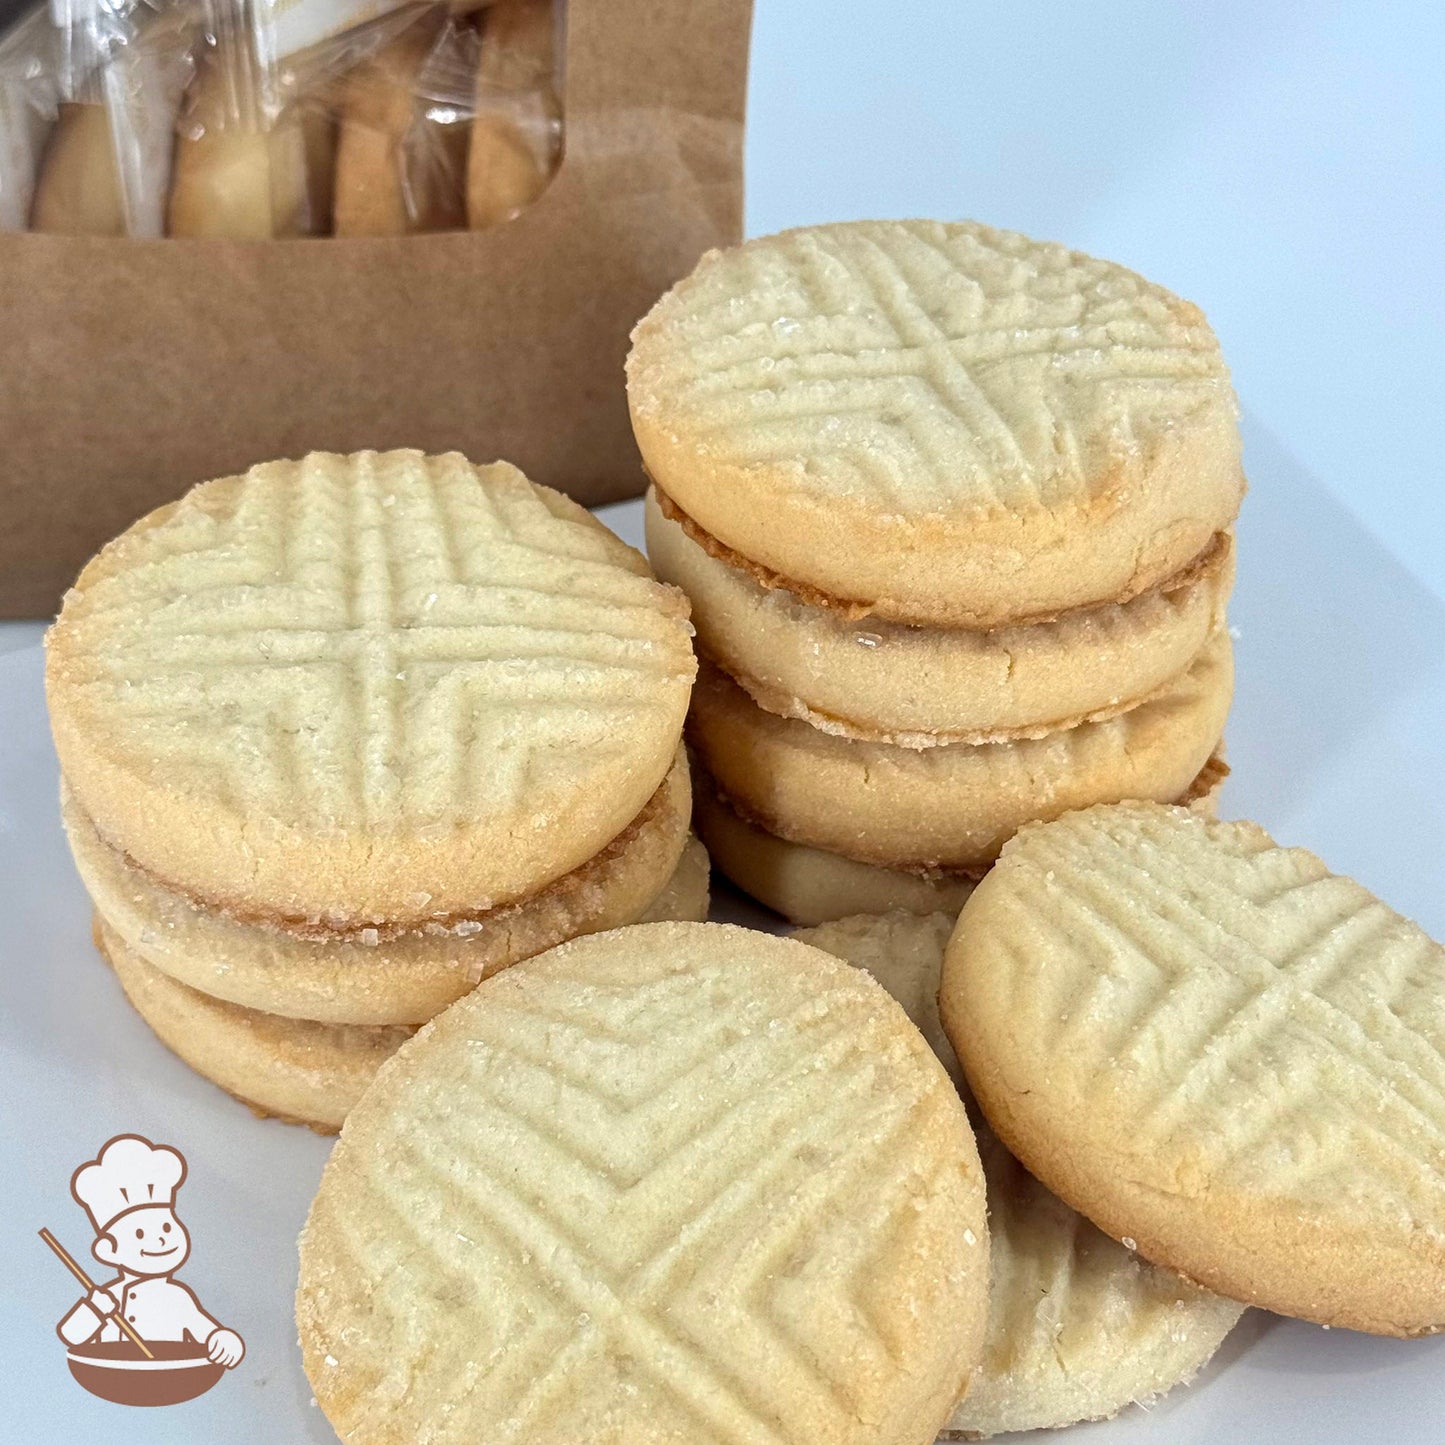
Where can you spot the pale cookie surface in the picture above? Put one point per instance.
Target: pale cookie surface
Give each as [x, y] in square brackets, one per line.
[78, 189]
[674, 1183]
[1214, 1047]
[239, 175]
[296, 1069]
[687, 895]
[372, 975]
[382, 688]
[809, 885]
[953, 806]
[921, 686]
[1079, 1326]
[939, 422]
[303, 1072]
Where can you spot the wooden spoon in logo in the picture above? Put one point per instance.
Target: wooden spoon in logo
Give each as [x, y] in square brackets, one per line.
[89, 1284]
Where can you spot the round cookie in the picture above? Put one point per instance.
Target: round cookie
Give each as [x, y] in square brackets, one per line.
[687, 895]
[378, 975]
[950, 807]
[938, 422]
[664, 1182]
[921, 686]
[808, 885]
[239, 174]
[296, 1069]
[292, 1069]
[385, 688]
[1079, 1327]
[1216, 1049]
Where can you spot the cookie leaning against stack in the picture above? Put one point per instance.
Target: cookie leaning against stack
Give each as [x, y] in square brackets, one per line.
[954, 509]
[342, 736]
[662, 1184]
[1079, 1326]
[1215, 1048]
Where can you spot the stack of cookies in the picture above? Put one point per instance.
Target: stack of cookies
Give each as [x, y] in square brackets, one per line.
[954, 510]
[342, 737]
[687, 1181]
[1078, 1325]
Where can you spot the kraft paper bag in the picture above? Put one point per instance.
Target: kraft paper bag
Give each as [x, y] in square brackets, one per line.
[135, 368]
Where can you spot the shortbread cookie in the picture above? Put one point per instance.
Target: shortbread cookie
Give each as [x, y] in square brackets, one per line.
[920, 686]
[244, 184]
[381, 689]
[399, 169]
[664, 1183]
[687, 895]
[516, 128]
[938, 423]
[808, 885]
[302, 1072]
[298, 1070]
[950, 807]
[239, 173]
[77, 189]
[1079, 1326]
[380, 975]
[1216, 1049]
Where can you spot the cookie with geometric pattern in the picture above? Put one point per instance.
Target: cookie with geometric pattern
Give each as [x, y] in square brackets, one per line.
[378, 975]
[1079, 1326]
[938, 422]
[384, 688]
[673, 1182]
[953, 806]
[925, 686]
[1219, 1051]
[296, 1069]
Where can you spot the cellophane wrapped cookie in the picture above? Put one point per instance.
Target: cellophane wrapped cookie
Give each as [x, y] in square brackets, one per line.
[240, 229]
[271, 119]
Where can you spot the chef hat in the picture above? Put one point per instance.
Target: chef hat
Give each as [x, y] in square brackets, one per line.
[129, 1173]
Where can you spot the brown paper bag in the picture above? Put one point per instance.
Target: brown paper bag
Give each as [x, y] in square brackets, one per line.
[135, 368]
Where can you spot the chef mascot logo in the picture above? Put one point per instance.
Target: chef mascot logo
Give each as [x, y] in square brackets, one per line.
[140, 1336]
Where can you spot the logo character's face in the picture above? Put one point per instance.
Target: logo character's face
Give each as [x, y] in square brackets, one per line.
[149, 1241]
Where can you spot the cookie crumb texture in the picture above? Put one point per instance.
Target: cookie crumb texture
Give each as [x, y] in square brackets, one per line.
[671, 1183]
[330, 688]
[1216, 1048]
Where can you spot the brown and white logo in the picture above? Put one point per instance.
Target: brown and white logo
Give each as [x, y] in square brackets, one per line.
[141, 1336]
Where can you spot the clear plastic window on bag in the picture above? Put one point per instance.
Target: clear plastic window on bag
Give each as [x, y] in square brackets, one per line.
[268, 119]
